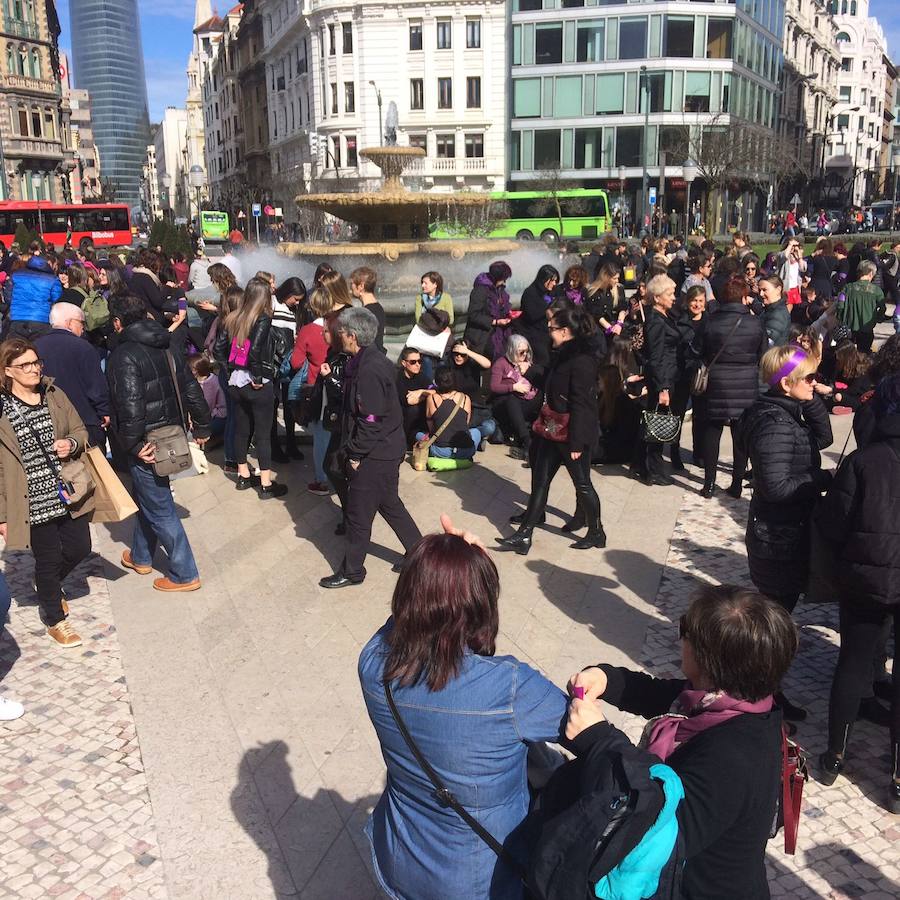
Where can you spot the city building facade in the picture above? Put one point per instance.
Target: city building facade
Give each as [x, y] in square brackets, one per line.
[109, 64]
[336, 71]
[855, 140]
[170, 155]
[883, 184]
[205, 25]
[150, 196]
[253, 97]
[619, 95]
[84, 179]
[809, 89]
[35, 153]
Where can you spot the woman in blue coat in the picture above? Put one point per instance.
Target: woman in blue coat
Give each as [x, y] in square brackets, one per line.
[472, 715]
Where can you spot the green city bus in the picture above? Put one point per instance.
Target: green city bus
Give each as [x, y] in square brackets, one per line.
[526, 215]
[213, 225]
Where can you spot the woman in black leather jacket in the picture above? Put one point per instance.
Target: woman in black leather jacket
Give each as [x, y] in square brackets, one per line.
[532, 324]
[569, 411]
[783, 433]
[245, 346]
[330, 381]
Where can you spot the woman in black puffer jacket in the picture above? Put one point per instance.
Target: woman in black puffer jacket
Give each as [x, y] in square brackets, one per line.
[783, 433]
[859, 520]
[732, 343]
[246, 347]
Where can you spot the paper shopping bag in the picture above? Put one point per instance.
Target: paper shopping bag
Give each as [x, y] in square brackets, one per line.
[112, 503]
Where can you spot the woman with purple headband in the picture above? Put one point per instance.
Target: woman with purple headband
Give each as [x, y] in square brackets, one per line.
[783, 433]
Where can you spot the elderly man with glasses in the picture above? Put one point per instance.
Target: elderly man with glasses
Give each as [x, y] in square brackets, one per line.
[74, 365]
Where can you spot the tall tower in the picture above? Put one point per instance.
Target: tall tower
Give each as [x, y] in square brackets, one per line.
[109, 64]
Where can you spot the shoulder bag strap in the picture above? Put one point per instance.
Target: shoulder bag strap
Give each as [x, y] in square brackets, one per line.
[457, 406]
[55, 464]
[734, 328]
[171, 361]
[442, 793]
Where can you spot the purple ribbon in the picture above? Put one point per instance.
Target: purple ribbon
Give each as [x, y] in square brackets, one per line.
[798, 357]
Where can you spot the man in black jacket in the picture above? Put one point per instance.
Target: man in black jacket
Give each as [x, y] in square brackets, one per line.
[75, 367]
[144, 397]
[373, 445]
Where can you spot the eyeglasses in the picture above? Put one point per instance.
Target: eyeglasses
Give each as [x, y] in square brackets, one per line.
[30, 366]
[413, 362]
[750, 270]
[811, 378]
[556, 328]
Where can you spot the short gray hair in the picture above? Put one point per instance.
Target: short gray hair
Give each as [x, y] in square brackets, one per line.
[60, 313]
[658, 285]
[866, 267]
[359, 322]
[515, 343]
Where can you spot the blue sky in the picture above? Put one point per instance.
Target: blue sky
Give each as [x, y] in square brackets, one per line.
[166, 32]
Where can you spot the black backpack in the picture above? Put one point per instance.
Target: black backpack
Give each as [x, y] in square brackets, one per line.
[591, 814]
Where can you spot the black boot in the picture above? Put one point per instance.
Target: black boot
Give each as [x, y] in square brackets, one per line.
[831, 762]
[576, 523]
[709, 487]
[734, 490]
[594, 538]
[675, 458]
[520, 542]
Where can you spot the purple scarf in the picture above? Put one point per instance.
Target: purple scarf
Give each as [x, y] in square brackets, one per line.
[692, 713]
[575, 295]
[499, 308]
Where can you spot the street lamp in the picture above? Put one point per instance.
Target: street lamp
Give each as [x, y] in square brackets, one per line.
[198, 179]
[689, 173]
[380, 119]
[622, 201]
[37, 186]
[895, 160]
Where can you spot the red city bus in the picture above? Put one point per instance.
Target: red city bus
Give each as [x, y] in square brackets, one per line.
[104, 224]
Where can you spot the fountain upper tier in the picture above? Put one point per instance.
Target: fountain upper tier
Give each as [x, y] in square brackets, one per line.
[393, 212]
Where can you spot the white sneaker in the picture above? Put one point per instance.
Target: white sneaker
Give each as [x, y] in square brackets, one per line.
[10, 709]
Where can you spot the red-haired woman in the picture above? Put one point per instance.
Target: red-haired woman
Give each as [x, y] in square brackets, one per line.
[470, 713]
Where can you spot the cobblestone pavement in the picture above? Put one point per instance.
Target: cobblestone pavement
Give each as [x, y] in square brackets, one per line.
[260, 762]
[849, 845]
[76, 817]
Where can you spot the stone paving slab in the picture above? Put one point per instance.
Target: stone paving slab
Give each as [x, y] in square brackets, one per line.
[76, 816]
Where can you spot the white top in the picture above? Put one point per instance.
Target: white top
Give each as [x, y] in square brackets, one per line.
[283, 316]
[199, 274]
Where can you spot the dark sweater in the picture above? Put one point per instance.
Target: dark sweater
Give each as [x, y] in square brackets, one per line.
[731, 775]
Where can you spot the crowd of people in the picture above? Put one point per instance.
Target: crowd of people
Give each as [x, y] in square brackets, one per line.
[127, 352]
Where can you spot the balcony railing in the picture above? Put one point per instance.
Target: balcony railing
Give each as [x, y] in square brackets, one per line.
[17, 146]
[445, 166]
[22, 29]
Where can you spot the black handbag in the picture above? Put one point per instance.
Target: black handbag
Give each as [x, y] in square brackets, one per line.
[659, 427]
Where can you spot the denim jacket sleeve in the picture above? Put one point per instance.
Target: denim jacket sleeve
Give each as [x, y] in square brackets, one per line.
[539, 707]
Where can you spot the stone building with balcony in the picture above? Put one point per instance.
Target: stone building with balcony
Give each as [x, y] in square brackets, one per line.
[34, 127]
[883, 181]
[253, 98]
[334, 68]
[809, 88]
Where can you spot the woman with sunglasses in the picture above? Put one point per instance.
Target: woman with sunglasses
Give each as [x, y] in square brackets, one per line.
[39, 431]
[750, 265]
[784, 432]
[413, 389]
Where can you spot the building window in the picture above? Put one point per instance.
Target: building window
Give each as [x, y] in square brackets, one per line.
[530, 5]
[633, 38]
[610, 94]
[445, 93]
[846, 93]
[331, 50]
[347, 37]
[334, 106]
[416, 93]
[696, 92]
[548, 44]
[629, 140]
[352, 159]
[23, 121]
[49, 124]
[444, 34]
[473, 33]
[415, 35]
[474, 146]
[843, 37]
[546, 149]
[36, 123]
[335, 152]
[473, 92]
[35, 63]
[846, 64]
[589, 41]
[679, 37]
[588, 147]
[349, 97]
[718, 38]
[446, 146]
[418, 140]
[10, 60]
[527, 97]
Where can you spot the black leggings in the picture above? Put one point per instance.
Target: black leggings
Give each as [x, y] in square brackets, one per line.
[546, 459]
[253, 411]
[337, 476]
[516, 415]
[861, 630]
[281, 393]
[709, 446]
[58, 546]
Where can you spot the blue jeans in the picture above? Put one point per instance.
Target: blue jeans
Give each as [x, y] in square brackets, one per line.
[452, 452]
[158, 523]
[5, 601]
[321, 439]
[217, 426]
[483, 431]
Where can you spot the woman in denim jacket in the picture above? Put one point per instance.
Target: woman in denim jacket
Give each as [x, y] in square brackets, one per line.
[471, 714]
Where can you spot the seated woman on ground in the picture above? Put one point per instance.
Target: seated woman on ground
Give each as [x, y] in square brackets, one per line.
[448, 405]
[516, 399]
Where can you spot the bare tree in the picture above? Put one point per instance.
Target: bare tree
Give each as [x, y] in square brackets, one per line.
[107, 191]
[550, 183]
[464, 220]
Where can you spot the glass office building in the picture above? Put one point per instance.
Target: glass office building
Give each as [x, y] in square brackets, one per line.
[109, 63]
[579, 103]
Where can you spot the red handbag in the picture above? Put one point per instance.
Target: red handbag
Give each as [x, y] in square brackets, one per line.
[552, 425]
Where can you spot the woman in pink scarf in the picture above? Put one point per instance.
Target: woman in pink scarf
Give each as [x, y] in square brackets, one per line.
[719, 730]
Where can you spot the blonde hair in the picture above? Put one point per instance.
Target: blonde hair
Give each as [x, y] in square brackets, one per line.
[336, 286]
[257, 302]
[320, 302]
[775, 360]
